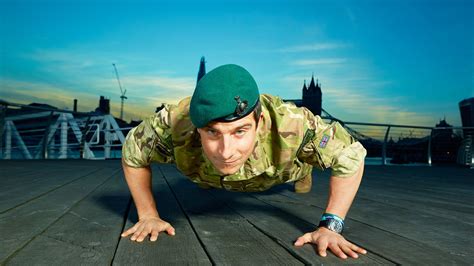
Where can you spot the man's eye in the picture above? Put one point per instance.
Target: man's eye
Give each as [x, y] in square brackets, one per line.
[212, 132]
[240, 132]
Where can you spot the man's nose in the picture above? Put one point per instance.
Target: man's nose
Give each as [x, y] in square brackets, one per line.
[227, 147]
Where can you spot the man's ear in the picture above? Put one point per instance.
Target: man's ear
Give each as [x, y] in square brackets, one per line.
[260, 118]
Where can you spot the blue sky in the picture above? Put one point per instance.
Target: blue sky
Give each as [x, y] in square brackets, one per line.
[399, 62]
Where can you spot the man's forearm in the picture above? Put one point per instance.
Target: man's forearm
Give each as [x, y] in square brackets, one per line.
[342, 192]
[139, 183]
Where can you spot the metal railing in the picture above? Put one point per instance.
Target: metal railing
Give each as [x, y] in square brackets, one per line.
[405, 144]
[32, 132]
[28, 132]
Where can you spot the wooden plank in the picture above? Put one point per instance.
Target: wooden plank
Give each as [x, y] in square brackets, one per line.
[18, 226]
[13, 173]
[393, 247]
[87, 234]
[227, 236]
[435, 207]
[182, 249]
[12, 182]
[447, 180]
[450, 233]
[428, 230]
[44, 182]
[428, 191]
[19, 170]
[49, 246]
[430, 186]
[10, 176]
[406, 196]
[286, 227]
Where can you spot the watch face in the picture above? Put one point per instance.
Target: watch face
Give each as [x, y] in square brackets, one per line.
[335, 226]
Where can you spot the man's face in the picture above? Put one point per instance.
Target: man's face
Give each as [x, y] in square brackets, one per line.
[229, 144]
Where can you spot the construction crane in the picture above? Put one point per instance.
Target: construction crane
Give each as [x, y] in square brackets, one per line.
[122, 92]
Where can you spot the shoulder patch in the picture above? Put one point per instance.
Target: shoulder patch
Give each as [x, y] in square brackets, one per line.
[324, 141]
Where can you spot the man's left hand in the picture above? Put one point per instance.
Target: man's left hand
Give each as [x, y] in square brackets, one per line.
[325, 238]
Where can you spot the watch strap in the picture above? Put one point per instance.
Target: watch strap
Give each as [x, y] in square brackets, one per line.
[332, 222]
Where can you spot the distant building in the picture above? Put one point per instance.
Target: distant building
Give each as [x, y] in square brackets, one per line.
[74, 108]
[312, 97]
[444, 143]
[202, 69]
[466, 107]
[466, 151]
[104, 106]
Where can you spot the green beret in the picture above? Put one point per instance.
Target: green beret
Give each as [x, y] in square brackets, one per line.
[225, 94]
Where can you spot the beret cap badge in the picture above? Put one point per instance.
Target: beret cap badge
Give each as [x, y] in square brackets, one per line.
[241, 106]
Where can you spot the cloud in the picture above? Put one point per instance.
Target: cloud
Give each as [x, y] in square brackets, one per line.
[349, 104]
[26, 92]
[353, 92]
[72, 57]
[312, 47]
[62, 97]
[63, 75]
[352, 106]
[150, 90]
[177, 85]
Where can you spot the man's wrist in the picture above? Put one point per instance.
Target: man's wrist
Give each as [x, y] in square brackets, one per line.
[148, 215]
[332, 222]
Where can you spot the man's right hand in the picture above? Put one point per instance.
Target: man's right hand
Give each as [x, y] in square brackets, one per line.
[148, 226]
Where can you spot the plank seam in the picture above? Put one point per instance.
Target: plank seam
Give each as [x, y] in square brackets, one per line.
[276, 240]
[368, 250]
[59, 218]
[353, 219]
[72, 244]
[127, 211]
[189, 219]
[49, 191]
[281, 244]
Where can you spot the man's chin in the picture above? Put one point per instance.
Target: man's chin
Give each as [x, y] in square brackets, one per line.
[228, 171]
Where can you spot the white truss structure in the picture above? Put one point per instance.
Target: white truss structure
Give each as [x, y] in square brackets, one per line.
[63, 125]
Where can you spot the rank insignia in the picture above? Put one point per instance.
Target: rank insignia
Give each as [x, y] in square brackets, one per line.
[324, 141]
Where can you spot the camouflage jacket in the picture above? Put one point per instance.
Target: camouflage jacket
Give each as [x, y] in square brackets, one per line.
[290, 142]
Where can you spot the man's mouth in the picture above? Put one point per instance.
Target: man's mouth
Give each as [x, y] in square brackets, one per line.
[229, 162]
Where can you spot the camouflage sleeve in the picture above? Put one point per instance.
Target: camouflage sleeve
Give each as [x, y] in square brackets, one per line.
[150, 141]
[331, 146]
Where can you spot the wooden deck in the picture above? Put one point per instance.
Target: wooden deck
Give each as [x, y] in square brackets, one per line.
[72, 212]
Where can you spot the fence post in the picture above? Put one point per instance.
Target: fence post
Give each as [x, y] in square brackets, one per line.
[429, 146]
[3, 111]
[8, 142]
[107, 137]
[471, 144]
[46, 134]
[83, 138]
[384, 147]
[63, 150]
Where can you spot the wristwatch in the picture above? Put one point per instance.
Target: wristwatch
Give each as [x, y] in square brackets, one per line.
[332, 224]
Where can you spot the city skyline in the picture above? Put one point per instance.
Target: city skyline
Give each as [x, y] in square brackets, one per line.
[398, 62]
